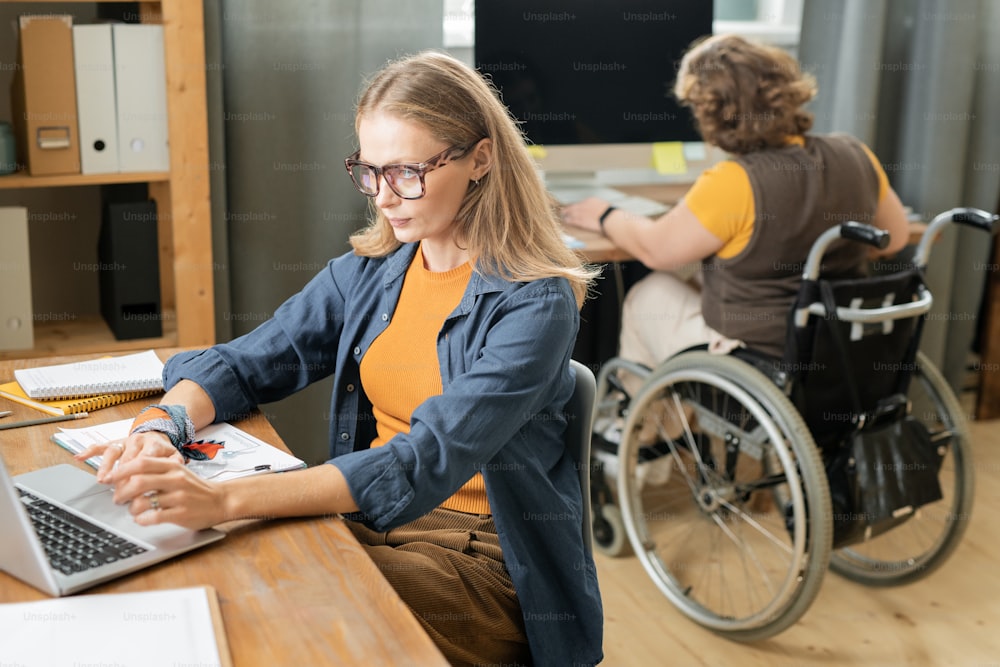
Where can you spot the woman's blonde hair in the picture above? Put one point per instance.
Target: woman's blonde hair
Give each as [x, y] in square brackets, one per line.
[744, 96]
[508, 222]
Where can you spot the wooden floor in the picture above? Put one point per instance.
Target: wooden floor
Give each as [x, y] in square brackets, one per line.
[951, 618]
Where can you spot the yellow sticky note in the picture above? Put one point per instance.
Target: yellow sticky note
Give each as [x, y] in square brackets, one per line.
[668, 157]
[537, 152]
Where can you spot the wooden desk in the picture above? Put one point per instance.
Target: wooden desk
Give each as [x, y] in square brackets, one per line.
[292, 592]
[597, 249]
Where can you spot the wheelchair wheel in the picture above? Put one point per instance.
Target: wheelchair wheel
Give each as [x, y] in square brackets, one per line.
[918, 546]
[739, 536]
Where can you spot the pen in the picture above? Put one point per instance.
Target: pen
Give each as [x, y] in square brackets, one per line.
[257, 468]
[5, 413]
[45, 420]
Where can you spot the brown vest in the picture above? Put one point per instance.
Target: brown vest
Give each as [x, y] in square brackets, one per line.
[798, 192]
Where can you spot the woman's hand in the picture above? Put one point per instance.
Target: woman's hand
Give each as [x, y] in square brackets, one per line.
[162, 490]
[585, 213]
[117, 452]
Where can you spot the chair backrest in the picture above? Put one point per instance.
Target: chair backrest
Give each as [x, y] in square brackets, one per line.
[579, 423]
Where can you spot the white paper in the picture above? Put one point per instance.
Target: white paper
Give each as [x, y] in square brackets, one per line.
[572, 242]
[169, 628]
[242, 455]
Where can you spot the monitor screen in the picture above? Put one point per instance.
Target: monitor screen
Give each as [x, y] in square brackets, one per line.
[591, 71]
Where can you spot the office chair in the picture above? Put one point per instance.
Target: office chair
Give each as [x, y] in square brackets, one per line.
[579, 418]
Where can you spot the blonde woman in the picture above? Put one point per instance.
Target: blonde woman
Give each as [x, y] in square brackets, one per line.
[750, 220]
[448, 332]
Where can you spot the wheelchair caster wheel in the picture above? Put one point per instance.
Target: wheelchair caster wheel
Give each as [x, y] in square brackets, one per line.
[609, 532]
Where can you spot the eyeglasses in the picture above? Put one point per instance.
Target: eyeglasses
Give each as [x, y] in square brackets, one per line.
[405, 179]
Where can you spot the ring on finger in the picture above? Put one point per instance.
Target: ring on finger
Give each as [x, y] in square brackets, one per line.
[154, 501]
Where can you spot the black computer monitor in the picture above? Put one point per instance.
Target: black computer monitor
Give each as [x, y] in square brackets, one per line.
[591, 71]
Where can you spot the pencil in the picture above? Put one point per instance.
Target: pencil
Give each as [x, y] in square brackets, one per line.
[44, 420]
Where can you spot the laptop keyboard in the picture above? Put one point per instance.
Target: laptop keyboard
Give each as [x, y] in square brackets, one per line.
[72, 543]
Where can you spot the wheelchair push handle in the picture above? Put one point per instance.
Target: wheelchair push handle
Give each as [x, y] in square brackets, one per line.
[972, 217]
[873, 236]
[850, 230]
[975, 217]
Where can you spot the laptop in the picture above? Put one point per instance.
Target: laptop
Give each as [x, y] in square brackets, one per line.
[63, 533]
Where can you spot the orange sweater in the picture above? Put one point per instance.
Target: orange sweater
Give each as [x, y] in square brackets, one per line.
[400, 370]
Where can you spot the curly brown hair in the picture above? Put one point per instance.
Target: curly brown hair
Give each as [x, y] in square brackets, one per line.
[744, 96]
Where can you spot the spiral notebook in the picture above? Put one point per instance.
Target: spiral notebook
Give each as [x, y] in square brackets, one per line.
[142, 371]
[69, 406]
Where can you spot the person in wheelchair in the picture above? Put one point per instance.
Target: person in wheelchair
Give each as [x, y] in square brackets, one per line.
[749, 221]
[839, 444]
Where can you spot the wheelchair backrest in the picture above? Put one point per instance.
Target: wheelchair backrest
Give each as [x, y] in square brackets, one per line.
[844, 369]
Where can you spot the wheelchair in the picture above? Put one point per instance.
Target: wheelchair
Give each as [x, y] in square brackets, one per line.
[739, 479]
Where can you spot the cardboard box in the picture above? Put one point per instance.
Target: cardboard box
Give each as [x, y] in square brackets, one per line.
[43, 95]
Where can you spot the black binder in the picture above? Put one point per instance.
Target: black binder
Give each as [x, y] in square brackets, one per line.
[129, 273]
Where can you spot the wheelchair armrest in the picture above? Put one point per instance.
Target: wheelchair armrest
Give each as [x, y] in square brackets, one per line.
[866, 315]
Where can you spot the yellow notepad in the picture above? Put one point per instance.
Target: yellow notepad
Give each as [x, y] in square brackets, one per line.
[13, 391]
[668, 157]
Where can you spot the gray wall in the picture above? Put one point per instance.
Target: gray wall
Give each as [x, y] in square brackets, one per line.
[919, 81]
[291, 75]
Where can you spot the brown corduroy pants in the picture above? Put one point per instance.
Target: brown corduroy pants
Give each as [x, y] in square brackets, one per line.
[449, 569]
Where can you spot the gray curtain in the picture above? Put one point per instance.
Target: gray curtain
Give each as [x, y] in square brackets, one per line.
[281, 104]
[919, 81]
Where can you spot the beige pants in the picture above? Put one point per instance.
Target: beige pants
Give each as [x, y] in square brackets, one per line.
[449, 569]
[662, 316]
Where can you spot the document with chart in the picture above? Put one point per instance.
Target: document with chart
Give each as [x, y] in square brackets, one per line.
[240, 454]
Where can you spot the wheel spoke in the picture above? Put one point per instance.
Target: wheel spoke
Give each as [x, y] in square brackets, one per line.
[753, 523]
[744, 548]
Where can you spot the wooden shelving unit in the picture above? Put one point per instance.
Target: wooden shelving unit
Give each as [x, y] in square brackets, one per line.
[988, 405]
[20, 181]
[182, 199]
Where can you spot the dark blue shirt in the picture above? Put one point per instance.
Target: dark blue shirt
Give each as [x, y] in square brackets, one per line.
[504, 355]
